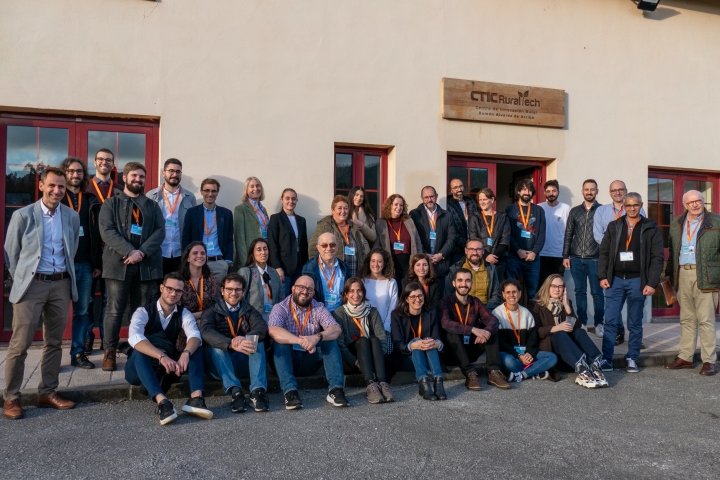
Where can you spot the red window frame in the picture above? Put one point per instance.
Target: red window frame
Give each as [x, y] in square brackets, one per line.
[358, 169]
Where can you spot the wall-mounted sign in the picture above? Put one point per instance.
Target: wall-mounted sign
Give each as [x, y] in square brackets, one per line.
[502, 103]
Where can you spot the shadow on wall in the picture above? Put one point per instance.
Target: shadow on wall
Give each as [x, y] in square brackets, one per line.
[231, 190]
[566, 195]
[661, 13]
[307, 207]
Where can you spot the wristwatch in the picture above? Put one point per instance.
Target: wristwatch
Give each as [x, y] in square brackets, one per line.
[319, 335]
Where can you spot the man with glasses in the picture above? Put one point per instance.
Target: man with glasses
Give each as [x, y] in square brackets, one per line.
[462, 208]
[693, 268]
[174, 203]
[88, 258]
[436, 230]
[328, 272]
[485, 282]
[156, 362]
[305, 336]
[629, 268]
[213, 225]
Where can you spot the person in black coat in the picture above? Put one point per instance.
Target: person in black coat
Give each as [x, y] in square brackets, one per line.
[287, 236]
[422, 271]
[436, 230]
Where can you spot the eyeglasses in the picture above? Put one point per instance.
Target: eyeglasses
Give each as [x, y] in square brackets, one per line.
[304, 289]
[105, 160]
[172, 290]
[694, 203]
[557, 287]
[73, 172]
[233, 290]
[325, 246]
[416, 297]
[619, 190]
[474, 249]
[174, 172]
[209, 192]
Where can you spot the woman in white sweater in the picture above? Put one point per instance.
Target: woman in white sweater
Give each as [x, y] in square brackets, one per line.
[377, 274]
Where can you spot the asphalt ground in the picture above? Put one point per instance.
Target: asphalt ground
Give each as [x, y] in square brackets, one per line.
[655, 424]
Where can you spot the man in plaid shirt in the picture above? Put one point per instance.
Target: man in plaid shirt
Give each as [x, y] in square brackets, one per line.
[305, 334]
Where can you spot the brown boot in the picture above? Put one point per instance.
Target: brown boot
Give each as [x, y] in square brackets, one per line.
[472, 382]
[13, 410]
[678, 363]
[109, 364]
[495, 377]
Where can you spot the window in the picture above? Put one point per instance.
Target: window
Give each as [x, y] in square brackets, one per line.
[365, 167]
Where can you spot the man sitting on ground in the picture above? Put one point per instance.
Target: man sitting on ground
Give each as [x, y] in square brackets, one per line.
[485, 283]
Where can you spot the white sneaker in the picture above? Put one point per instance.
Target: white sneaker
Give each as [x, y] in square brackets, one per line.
[632, 366]
[587, 380]
[515, 377]
[599, 330]
[542, 376]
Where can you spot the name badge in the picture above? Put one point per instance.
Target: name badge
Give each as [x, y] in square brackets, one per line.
[330, 298]
[264, 234]
[433, 236]
[210, 246]
[398, 246]
[626, 256]
[349, 250]
[466, 339]
[686, 250]
[489, 242]
[268, 307]
[520, 350]
[525, 233]
[81, 232]
[135, 229]
[298, 348]
[169, 222]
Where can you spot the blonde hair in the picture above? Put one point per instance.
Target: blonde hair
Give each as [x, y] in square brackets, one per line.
[247, 186]
[542, 297]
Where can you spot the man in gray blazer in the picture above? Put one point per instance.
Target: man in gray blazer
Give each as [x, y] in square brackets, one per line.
[40, 246]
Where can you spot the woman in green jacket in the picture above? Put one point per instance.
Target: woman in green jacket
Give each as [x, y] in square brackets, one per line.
[251, 219]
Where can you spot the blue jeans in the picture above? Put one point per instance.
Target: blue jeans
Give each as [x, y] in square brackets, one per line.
[570, 347]
[544, 361]
[530, 272]
[228, 366]
[582, 270]
[98, 282]
[424, 360]
[615, 297]
[290, 363]
[81, 314]
[141, 370]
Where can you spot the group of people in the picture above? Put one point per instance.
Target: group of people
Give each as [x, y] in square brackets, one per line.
[227, 294]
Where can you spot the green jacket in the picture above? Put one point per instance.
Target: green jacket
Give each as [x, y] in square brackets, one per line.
[247, 228]
[707, 251]
[328, 225]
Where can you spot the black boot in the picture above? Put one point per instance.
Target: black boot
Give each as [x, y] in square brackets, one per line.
[439, 388]
[425, 389]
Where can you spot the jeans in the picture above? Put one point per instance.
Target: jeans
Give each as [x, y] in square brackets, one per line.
[582, 270]
[81, 314]
[228, 366]
[530, 272]
[465, 354]
[615, 297]
[570, 347]
[290, 280]
[146, 371]
[424, 359]
[544, 361]
[370, 358]
[290, 363]
[98, 283]
[119, 292]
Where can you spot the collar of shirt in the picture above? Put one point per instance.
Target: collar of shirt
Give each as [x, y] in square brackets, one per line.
[429, 212]
[161, 313]
[209, 209]
[324, 267]
[46, 211]
[261, 270]
[257, 204]
[231, 308]
[102, 182]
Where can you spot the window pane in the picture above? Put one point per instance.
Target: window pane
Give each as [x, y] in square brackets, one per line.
[374, 199]
[652, 211]
[689, 185]
[98, 140]
[665, 231]
[666, 213]
[460, 173]
[706, 188]
[21, 166]
[478, 180]
[652, 189]
[127, 147]
[666, 189]
[343, 171]
[53, 146]
[372, 172]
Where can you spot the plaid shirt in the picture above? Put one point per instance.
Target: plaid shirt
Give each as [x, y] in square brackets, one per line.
[320, 317]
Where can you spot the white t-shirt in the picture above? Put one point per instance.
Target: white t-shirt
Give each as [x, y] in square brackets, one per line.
[555, 222]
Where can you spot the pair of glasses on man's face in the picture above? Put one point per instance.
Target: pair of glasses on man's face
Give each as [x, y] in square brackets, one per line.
[233, 290]
[304, 289]
[331, 246]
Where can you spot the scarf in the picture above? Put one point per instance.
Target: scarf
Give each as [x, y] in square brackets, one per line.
[556, 307]
[361, 312]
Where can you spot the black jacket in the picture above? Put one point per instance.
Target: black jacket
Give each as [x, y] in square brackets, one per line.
[312, 270]
[536, 227]
[436, 291]
[215, 330]
[94, 233]
[445, 235]
[579, 239]
[500, 236]
[283, 244]
[651, 251]
[461, 226]
[194, 229]
[402, 334]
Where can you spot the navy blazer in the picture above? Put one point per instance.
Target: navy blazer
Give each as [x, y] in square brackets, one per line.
[194, 229]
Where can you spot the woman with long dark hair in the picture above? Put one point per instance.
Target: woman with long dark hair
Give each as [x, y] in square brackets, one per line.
[200, 284]
[362, 215]
[264, 288]
[422, 271]
[397, 234]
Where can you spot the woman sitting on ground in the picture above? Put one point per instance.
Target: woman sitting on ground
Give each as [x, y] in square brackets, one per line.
[416, 335]
[518, 338]
[200, 284]
[421, 270]
[560, 332]
[363, 342]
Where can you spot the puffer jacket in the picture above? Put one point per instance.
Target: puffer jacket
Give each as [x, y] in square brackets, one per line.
[215, 330]
[707, 253]
[579, 239]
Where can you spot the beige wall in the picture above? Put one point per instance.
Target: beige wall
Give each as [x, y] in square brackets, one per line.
[267, 87]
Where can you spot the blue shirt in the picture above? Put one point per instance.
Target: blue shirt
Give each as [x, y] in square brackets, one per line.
[687, 248]
[261, 216]
[52, 254]
[603, 216]
[211, 240]
[332, 296]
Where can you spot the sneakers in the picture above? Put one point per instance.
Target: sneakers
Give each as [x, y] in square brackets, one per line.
[336, 397]
[599, 330]
[515, 377]
[472, 382]
[81, 361]
[606, 366]
[385, 390]
[292, 400]
[238, 400]
[586, 379]
[166, 412]
[599, 376]
[542, 376]
[496, 378]
[196, 406]
[632, 366]
[259, 400]
[373, 394]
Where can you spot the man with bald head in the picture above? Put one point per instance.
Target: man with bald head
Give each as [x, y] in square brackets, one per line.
[327, 272]
[693, 268]
[461, 207]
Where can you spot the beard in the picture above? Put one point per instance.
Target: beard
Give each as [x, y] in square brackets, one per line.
[173, 182]
[551, 198]
[526, 198]
[136, 187]
[475, 259]
[296, 299]
[589, 197]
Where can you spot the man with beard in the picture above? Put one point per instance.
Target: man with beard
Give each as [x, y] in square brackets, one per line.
[88, 258]
[174, 202]
[133, 228]
[462, 209]
[580, 255]
[436, 230]
[527, 237]
[556, 215]
[305, 334]
[485, 282]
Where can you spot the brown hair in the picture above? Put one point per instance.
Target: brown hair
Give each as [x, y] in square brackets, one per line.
[387, 207]
[132, 166]
[172, 161]
[53, 170]
[542, 296]
[388, 266]
[590, 180]
[69, 161]
[488, 193]
[348, 285]
[209, 181]
[287, 190]
[337, 199]
[430, 278]
[403, 309]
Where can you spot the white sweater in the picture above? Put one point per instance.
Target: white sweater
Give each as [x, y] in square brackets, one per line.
[383, 295]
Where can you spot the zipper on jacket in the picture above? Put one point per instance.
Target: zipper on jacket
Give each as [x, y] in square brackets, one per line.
[587, 214]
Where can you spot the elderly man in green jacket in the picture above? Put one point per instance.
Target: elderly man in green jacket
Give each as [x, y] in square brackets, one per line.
[693, 268]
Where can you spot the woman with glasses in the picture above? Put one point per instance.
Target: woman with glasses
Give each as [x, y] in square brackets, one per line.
[363, 216]
[200, 285]
[363, 342]
[287, 237]
[416, 335]
[250, 219]
[560, 332]
[422, 271]
[397, 234]
[519, 346]
[263, 286]
[350, 246]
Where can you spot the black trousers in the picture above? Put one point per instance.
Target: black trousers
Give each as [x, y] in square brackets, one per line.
[571, 346]
[401, 262]
[548, 266]
[465, 354]
[171, 265]
[370, 358]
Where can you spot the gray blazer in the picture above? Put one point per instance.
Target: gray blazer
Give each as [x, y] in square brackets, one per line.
[23, 244]
[254, 290]
[187, 201]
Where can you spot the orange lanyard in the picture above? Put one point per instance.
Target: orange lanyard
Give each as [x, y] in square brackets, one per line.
[345, 234]
[427, 289]
[619, 213]
[260, 214]
[397, 234]
[631, 229]
[80, 203]
[136, 214]
[467, 312]
[208, 232]
[490, 226]
[167, 202]
[431, 218]
[525, 220]
[359, 325]
[689, 233]
[232, 328]
[419, 332]
[307, 316]
[102, 199]
[331, 281]
[512, 324]
[202, 291]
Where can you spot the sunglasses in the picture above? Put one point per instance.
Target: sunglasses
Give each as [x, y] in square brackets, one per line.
[325, 246]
